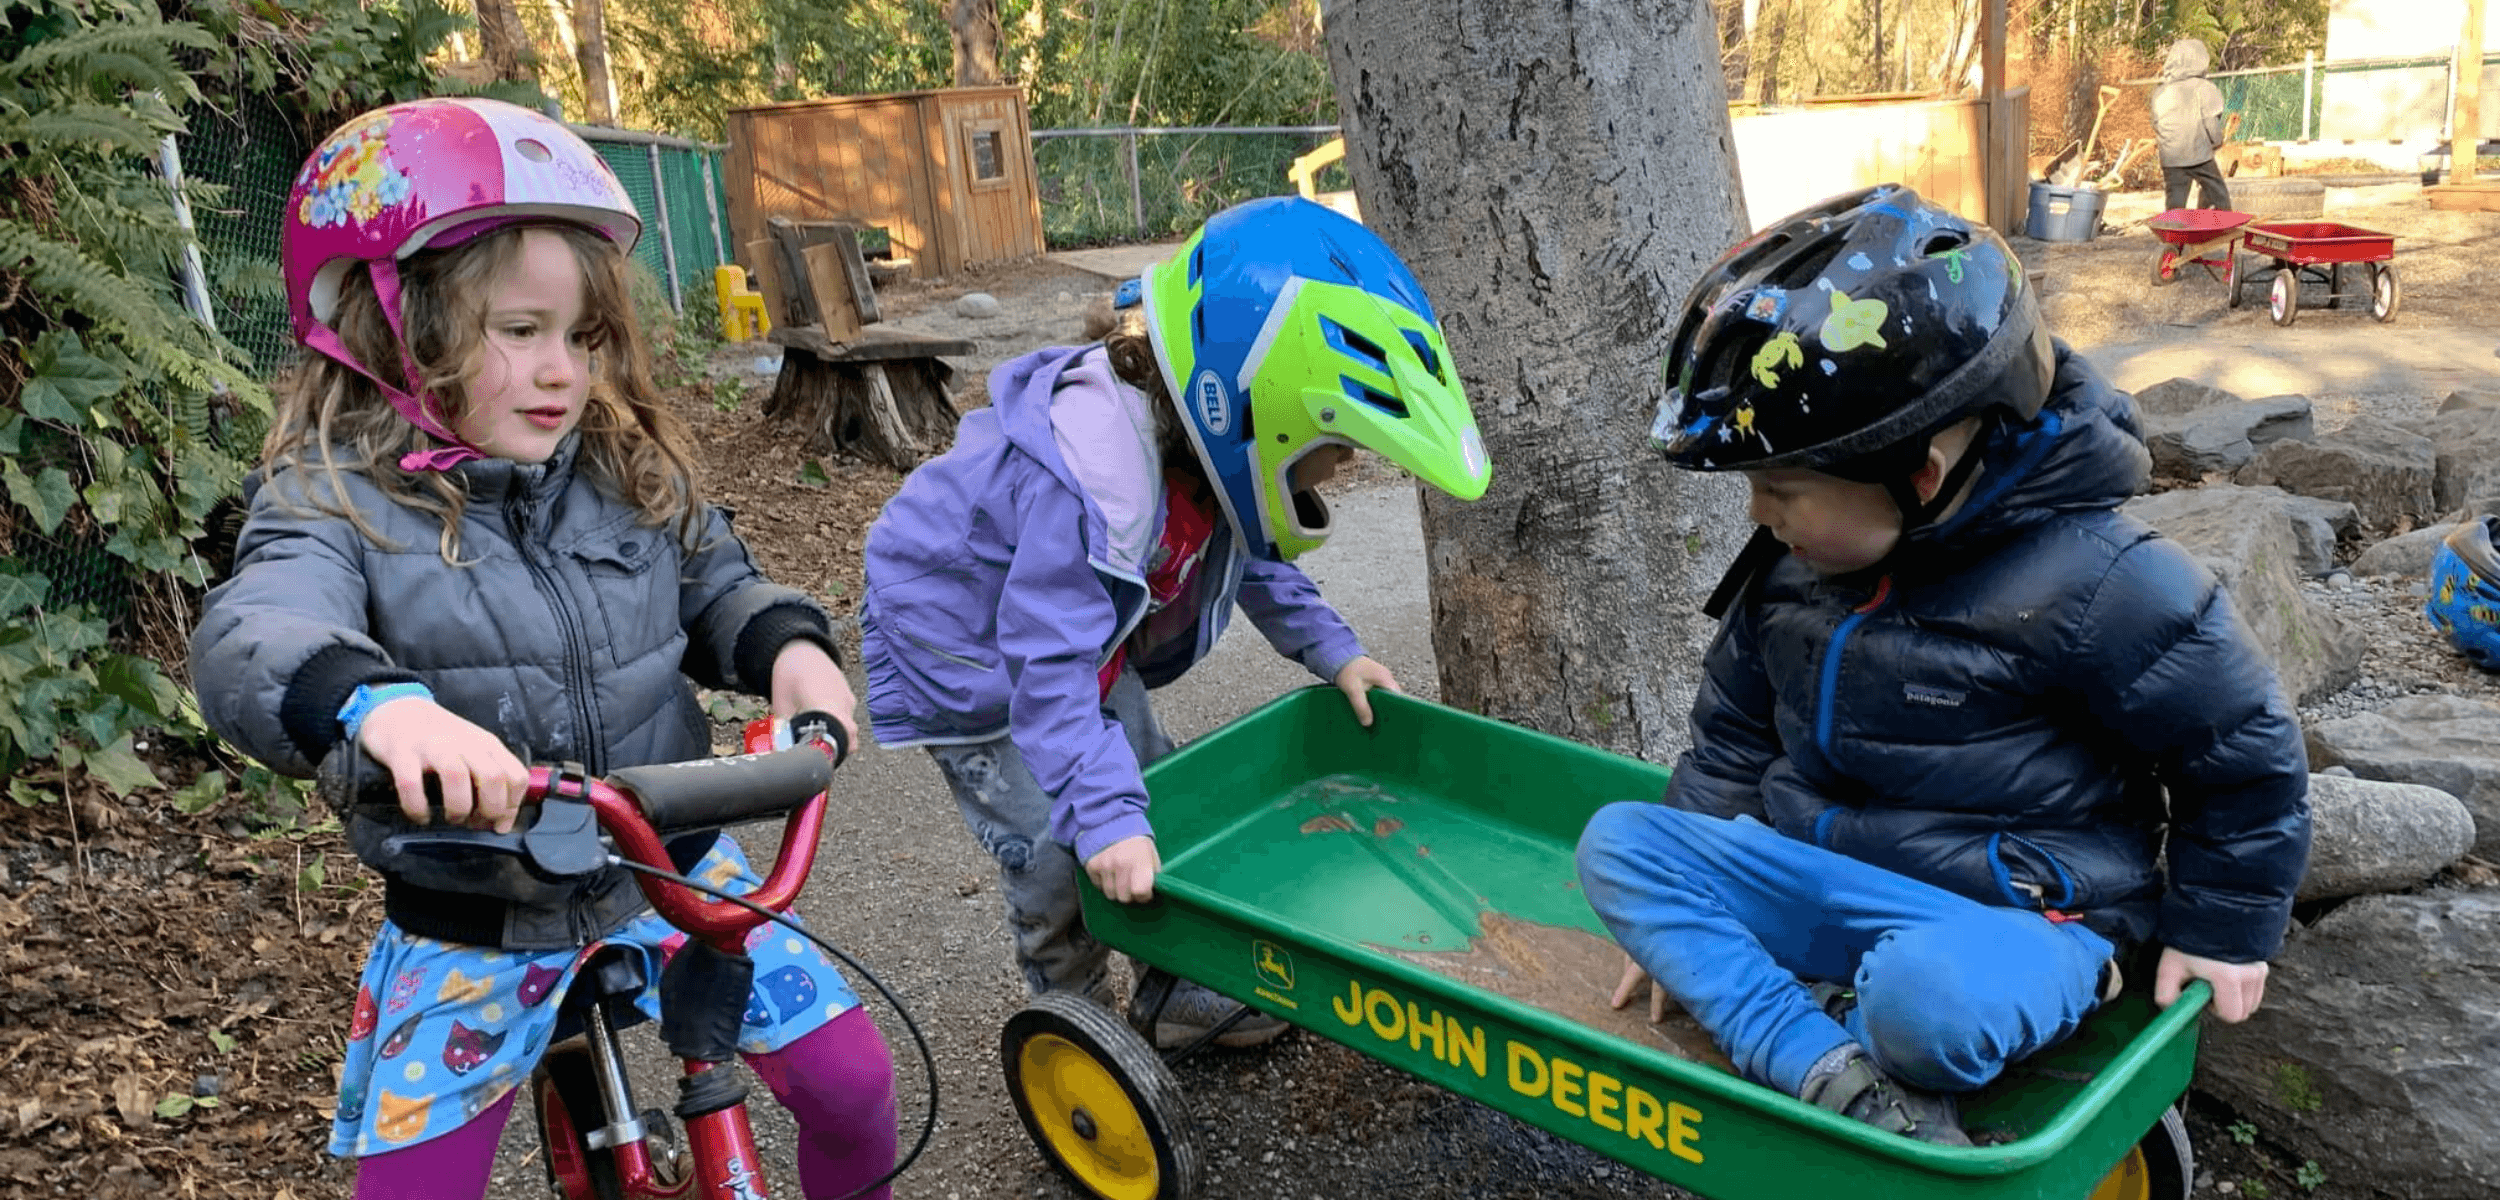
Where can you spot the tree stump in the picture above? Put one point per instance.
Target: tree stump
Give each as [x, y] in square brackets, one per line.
[880, 398]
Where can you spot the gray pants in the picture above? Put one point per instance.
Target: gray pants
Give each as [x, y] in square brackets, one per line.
[1007, 809]
[2211, 191]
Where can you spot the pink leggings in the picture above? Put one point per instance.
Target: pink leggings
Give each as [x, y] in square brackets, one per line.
[838, 1082]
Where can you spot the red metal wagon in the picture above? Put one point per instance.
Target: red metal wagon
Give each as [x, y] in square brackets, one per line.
[2203, 236]
[2317, 251]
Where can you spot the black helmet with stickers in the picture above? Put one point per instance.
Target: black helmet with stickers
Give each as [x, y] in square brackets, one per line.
[1841, 336]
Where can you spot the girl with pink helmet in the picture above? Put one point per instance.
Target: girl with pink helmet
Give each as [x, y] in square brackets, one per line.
[476, 539]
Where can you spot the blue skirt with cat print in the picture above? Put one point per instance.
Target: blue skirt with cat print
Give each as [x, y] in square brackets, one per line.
[443, 1030]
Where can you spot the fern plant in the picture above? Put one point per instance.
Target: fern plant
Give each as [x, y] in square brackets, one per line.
[110, 393]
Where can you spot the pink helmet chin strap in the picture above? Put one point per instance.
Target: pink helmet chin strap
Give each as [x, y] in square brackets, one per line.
[419, 410]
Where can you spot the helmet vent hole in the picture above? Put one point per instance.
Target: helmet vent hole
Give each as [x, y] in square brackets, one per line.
[1809, 260]
[1362, 347]
[1351, 275]
[533, 150]
[1942, 242]
[1197, 262]
[1423, 350]
[1376, 398]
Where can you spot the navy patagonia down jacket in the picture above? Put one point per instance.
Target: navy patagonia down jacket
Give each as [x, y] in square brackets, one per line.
[2036, 693]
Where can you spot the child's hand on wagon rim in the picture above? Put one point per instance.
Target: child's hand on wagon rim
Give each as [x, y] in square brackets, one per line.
[1361, 676]
[2238, 987]
[482, 781]
[1125, 870]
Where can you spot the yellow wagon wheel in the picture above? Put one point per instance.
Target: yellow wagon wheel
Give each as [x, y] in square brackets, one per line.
[1098, 1102]
[2161, 1167]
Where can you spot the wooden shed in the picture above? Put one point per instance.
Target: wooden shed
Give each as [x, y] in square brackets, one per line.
[947, 174]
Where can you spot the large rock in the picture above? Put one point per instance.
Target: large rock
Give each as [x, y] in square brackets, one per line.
[2465, 453]
[2222, 438]
[2377, 1051]
[2404, 554]
[2461, 401]
[2383, 471]
[2318, 526]
[2369, 835]
[2179, 397]
[2448, 742]
[2249, 541]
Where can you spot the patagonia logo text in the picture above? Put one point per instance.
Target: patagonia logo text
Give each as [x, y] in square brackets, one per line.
[1933, 697]
[1215, 408]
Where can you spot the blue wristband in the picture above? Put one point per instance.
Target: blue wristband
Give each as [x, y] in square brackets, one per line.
[361, 703]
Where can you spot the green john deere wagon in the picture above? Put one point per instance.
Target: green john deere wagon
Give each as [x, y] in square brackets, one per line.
[1408, 890]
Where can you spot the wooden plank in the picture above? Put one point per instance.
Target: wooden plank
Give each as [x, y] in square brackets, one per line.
[2467, 126]
[763, 256]
[875, 343]
[2482, 195]
[831, 292]
[793, 260]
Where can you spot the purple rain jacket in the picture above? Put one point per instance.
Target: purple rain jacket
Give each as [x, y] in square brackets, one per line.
[1005, 572]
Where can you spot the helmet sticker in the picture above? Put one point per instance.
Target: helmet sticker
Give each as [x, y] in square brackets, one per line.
[1860, 262]
[351, 176]
[1215, 408]
[1854, 323]
[1953, 260]
[1768, 305]
[1742, 422]
[1766, 361]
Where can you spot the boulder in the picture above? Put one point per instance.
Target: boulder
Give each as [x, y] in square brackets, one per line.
[2465, 454]
[2407, 554]
[2384, 471]
[2447, 742]
[2223, 437]
[2462, 401]
[2369, 835]
[976, 306]
[2318, 525]
[2179, 397]
[2377, 1051]
[2249, 541]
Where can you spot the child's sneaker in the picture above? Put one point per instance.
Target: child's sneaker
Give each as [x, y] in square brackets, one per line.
[1848, 1082]
[1192, 1009]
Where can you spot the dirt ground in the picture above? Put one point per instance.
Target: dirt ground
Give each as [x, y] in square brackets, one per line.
[159, 962]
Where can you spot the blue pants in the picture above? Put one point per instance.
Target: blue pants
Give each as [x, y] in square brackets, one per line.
[1730, 916]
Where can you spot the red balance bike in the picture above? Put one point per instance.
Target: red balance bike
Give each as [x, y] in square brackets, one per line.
[600, 1145]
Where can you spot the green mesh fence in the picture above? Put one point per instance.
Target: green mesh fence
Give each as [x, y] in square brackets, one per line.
[1182, 179]
[674, 193]
[2269, 104]
[254, 153]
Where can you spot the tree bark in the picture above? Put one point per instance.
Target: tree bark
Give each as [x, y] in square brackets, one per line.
[504, 42]
[1557, 176]
[590, 49]
[973, 27]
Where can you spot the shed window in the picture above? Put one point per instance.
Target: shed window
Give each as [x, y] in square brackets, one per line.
[989, 158]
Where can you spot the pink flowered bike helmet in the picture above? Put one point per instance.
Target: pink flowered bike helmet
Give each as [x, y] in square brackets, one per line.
[431, 174]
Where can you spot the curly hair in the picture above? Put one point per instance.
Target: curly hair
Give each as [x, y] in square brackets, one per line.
[1123, 335]
[332, 419]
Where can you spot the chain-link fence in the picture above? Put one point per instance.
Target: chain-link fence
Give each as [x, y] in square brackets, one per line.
[2398, 99]
[1123, 184]
[676, 185]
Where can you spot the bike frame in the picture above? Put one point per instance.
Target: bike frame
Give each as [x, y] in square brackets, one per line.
[721, 1142]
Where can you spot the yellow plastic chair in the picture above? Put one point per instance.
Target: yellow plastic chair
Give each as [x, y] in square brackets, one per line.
[740, 306]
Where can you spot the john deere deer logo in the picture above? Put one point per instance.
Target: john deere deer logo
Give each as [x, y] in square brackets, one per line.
[1275, 967]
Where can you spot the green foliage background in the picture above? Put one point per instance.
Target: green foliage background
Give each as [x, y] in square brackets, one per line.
[125, 425]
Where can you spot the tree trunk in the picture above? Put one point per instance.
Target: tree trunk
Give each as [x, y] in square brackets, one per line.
[504, 43]
[1557, 176]
[590, 49]
[973, 27]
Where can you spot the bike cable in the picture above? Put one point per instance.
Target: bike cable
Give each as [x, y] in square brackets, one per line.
[928, 1126]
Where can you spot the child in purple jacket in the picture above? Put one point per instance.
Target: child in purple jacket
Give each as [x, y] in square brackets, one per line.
[1086, 539]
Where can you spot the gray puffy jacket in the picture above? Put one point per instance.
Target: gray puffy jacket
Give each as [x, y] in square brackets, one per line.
[572, 635]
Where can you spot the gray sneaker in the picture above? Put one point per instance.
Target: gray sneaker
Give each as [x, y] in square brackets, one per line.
[1193, 1009]
[1848, 1082]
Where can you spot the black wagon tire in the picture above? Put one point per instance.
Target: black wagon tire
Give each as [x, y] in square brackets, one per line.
[1098, 1102]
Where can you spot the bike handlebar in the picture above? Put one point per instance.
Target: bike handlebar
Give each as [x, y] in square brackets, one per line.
[558, 834]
